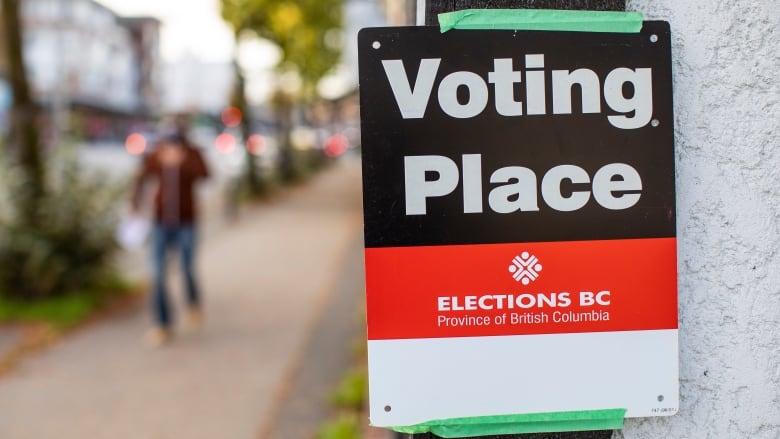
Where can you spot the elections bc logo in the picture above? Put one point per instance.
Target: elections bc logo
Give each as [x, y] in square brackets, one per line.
[525, 268]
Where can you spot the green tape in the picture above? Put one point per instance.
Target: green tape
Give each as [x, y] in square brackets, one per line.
[611, 419]
[542, 19]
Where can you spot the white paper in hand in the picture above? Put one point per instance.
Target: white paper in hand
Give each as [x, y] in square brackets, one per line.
[132, 231]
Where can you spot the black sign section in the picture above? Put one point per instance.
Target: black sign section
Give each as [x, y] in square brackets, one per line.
[516, 136]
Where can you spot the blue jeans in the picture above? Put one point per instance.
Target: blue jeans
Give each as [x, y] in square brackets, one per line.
[164, 237]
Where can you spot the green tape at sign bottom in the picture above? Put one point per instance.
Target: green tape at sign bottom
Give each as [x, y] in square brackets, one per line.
[611, 419]
[542, 19]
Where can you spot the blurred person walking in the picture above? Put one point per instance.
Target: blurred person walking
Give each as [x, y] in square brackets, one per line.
[176, 166]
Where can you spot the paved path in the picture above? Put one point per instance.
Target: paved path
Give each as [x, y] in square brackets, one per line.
[266, 280]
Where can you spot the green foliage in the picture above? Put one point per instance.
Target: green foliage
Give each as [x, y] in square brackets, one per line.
[351, 391]
[303, 29]
[66, 244]
[346, 426]
[62, 312]
[349, 397]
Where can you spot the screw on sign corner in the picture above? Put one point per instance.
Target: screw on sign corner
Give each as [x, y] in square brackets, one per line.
[434, 7]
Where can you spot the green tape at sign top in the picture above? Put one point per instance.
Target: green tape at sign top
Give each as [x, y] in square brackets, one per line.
[611, 419]
[542, 19]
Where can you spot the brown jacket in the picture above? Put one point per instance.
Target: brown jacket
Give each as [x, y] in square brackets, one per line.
[174, 200]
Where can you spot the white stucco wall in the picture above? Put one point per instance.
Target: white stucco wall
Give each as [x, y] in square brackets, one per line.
[727, 104]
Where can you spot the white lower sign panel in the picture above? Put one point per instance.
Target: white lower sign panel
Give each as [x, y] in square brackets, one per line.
[417, 380]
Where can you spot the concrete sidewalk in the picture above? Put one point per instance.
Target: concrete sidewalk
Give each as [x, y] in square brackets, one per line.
[266, 281]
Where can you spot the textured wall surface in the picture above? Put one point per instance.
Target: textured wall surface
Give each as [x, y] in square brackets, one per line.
[727, 104]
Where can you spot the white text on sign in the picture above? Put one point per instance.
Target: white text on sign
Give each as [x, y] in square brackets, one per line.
[636, 110]
[615, 186]
[490, 302]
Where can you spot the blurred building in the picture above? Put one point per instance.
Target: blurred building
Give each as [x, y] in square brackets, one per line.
[145, 38]
[197, 87]
[400, 12]
[95, 73]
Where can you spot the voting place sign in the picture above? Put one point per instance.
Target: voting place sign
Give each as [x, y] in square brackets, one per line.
[519, 222]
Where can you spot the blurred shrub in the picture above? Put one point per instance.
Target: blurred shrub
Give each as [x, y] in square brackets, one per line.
[67, 244]
[351, 391]
[63, 312]
[347, 426]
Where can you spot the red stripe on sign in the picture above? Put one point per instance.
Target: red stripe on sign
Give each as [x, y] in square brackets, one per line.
[513, 289]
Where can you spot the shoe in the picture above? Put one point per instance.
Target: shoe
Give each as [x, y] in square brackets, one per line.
[157, 337]
[194, 319]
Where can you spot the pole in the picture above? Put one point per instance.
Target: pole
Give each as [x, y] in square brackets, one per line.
[435, 7]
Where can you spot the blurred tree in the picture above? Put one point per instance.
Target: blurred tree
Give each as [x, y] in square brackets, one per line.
[24, 144]
[303, 29]
[238, 100]
[306, 31]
